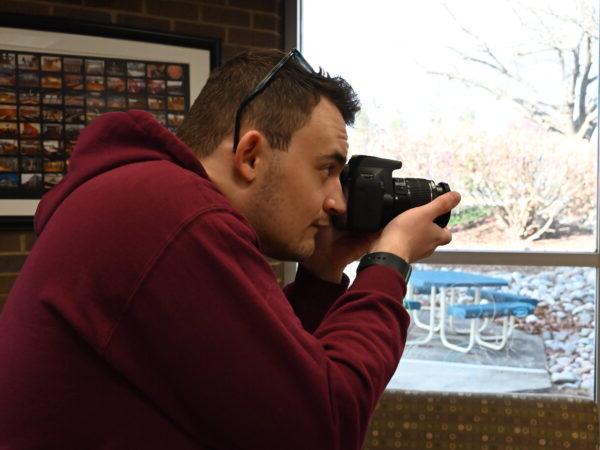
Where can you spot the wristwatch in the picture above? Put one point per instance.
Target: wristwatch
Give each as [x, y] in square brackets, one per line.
[385, 259]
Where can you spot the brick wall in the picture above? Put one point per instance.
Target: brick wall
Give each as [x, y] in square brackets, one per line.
[240, 24]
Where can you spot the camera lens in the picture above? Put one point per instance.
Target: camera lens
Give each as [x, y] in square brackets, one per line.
[412, 192]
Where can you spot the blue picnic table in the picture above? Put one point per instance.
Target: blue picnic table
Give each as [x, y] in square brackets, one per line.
[440, 283]
[424, 280]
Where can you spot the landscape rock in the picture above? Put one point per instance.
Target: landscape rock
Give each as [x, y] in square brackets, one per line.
[563, 377]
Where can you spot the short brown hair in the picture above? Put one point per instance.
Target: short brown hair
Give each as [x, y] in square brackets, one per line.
[284, 106]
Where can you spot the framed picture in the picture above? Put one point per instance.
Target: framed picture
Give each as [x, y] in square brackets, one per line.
[57, 75]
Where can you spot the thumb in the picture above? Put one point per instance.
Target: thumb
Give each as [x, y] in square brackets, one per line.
[442, 204]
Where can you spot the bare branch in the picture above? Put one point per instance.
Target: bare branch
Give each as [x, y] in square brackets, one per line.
[574, 58]
[538, 111]
[466, 57]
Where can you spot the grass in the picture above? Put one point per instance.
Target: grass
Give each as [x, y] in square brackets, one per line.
[469, 215]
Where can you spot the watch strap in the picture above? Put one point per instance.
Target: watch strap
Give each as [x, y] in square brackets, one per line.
[386, 259]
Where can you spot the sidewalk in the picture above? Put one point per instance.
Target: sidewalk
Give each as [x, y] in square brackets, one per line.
[520, 367]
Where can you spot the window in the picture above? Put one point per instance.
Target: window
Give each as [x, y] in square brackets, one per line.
[499, 99]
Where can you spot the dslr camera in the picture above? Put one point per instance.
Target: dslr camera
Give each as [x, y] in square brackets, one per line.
[374, 197]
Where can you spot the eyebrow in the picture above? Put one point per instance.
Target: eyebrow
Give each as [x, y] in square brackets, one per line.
[336, 156]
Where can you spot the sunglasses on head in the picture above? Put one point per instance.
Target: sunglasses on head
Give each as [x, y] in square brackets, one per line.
[260, 87]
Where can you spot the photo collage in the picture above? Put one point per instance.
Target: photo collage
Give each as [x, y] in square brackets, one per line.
[47, 99]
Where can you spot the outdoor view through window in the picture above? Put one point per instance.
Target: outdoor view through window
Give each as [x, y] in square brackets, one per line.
[498, 99]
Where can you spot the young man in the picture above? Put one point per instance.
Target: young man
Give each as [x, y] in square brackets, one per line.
[146, 316]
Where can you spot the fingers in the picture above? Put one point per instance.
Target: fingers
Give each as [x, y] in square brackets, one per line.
[442, 204]
[413, 235]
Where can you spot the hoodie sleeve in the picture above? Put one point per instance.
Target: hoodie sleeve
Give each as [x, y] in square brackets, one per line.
[210, 338]
[312, 297]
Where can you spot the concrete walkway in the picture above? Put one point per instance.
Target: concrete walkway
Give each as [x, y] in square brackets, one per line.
[519, 367]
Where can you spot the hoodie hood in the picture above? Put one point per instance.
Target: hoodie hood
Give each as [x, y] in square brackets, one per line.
[111, 141]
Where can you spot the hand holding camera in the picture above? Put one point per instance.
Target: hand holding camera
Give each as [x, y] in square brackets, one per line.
[414, 235]
[403, 216]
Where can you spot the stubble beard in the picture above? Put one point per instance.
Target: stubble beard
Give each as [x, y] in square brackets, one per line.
[270, 227]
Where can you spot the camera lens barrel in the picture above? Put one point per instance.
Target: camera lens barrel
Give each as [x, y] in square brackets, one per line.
[412, 192]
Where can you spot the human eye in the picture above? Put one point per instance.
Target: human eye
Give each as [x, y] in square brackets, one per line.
[329, 170]
[330, 166]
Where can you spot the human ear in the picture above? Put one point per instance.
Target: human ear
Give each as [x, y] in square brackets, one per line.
[249, 155]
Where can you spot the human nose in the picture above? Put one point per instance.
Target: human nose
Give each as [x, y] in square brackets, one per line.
[335, 201]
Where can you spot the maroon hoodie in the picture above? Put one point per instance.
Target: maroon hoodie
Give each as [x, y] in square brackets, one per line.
[146, 317]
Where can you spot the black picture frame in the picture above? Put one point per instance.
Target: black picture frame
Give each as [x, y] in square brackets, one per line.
[199, 51]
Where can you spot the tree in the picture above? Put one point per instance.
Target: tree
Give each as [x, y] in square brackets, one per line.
[564, 41]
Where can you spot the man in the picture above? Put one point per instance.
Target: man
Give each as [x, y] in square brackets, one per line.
[146, 315]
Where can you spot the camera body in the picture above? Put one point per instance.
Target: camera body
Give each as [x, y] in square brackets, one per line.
[374, 197]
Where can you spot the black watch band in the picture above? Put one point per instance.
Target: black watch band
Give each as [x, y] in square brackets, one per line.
[385, 259]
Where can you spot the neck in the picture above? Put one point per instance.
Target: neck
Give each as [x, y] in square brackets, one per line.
[220, 170]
